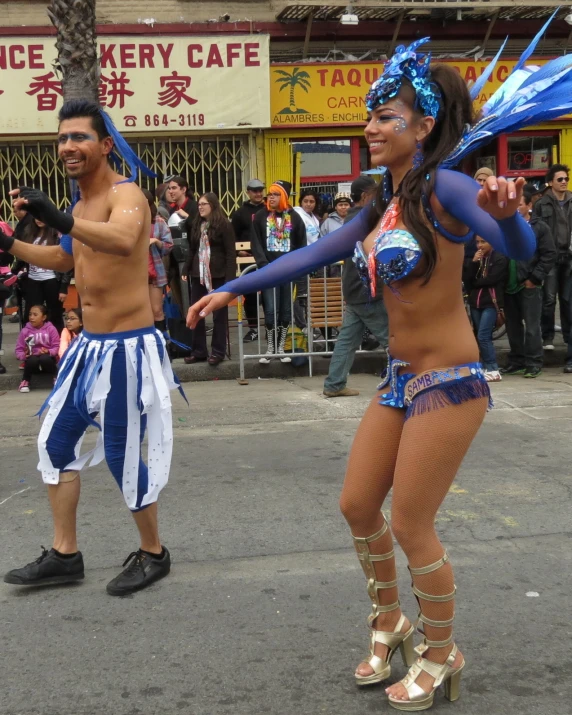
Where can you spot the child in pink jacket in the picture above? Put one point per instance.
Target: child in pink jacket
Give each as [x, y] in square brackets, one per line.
[37, 346]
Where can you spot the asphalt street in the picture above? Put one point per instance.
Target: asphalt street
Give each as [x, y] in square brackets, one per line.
[265, 608]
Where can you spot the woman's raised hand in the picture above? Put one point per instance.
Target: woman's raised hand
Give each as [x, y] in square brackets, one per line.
[206, 305]
[500, 197]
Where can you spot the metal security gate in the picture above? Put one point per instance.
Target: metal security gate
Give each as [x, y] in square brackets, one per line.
[219, 164]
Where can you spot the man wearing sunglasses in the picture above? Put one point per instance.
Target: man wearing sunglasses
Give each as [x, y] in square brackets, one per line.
[555, 209]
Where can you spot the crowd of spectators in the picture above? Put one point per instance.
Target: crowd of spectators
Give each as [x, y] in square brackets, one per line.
[193, 250]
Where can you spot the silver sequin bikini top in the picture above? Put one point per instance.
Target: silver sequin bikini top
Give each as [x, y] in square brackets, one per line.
[396, 253]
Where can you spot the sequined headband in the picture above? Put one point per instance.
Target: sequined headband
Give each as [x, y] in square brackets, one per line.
[407, 62]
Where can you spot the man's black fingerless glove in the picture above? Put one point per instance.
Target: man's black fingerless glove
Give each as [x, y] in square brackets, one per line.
[6, 242]
[40, 206]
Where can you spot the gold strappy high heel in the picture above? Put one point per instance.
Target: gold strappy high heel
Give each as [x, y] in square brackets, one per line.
[393, 640]
[444, 674]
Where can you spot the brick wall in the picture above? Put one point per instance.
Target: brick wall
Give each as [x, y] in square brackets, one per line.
[33, 12]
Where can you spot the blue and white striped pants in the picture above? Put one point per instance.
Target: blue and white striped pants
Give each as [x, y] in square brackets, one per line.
[126, 378]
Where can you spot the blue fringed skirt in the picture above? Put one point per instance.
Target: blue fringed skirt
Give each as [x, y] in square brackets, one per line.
[432, 389]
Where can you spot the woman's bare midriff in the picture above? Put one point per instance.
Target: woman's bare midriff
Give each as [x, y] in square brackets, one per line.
[113, 289]
[428, 324]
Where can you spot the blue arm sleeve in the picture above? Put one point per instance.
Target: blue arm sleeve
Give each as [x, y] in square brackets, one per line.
[335, 247]
[457, 194]
[66, 243]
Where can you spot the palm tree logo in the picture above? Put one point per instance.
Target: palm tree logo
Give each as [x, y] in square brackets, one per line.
[291, 80]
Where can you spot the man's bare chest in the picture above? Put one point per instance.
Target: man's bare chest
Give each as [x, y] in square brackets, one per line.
[96, 209]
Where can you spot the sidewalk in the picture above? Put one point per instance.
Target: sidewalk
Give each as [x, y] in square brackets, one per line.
[370, 363]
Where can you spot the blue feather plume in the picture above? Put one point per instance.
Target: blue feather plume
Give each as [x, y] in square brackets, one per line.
[123, 150]
[530, 95]
[475, 90]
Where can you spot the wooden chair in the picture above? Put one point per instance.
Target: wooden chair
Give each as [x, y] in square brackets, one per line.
[243, 261]
[325, 303]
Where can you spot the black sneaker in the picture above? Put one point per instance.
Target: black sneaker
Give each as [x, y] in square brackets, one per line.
[2, 369]
[532, 372]
[512, 370]
[143, 570]
[50, 569]
[568, 367]
[251, 336]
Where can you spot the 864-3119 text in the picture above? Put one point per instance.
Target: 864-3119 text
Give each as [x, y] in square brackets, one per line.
[182, 120]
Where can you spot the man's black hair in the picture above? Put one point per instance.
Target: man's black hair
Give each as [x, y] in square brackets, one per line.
[554, 169]
[84, 108]
[179, 180]
[528, 192]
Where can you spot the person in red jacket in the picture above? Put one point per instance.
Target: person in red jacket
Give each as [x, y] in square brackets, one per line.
[37, 346]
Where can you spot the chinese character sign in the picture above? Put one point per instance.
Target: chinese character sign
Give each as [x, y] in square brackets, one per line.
[149, 84]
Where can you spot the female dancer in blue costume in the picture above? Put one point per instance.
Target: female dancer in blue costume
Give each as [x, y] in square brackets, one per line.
[434, 396]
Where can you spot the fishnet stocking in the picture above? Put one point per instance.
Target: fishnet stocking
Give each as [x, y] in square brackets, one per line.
[369, 478]
[431, 450]
[420, 458]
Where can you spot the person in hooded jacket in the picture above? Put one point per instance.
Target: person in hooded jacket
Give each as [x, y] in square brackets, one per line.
[242, 220]
[523, 297]
[275, 231]
[342, 205]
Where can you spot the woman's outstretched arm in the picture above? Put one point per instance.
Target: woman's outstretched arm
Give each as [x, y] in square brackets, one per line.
[335, 247]
[339, 245]
[490, 211]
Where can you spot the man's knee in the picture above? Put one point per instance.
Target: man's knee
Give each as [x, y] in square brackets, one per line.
[60, 451]
[67, 477]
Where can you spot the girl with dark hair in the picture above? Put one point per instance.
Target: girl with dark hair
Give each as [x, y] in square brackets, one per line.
[211, 263]
[309, 211]
[74, 326]
[160, 246]
[434, 396]
[41, 285]
[37, 346]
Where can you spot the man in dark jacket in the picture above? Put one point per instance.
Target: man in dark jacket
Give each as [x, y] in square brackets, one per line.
[242, 220]
[362, 310]
[523, 297]
[555, 209]
[275, 231]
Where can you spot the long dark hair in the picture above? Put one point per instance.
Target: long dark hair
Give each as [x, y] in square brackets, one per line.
[32, 231]
[455, 113]
[311, 192]
[217, 219]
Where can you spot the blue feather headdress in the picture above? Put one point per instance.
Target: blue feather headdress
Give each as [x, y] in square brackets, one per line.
[407, 63]
[530, 95]
[122, 150]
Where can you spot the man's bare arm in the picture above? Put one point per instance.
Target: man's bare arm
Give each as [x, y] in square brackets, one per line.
[129, 211]
[119, 235]
[51, 257]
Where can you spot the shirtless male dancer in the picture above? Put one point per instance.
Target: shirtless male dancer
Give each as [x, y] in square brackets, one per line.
[118, 366]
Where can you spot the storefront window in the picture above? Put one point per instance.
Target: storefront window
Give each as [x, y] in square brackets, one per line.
[330, 157]
[530, 153]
